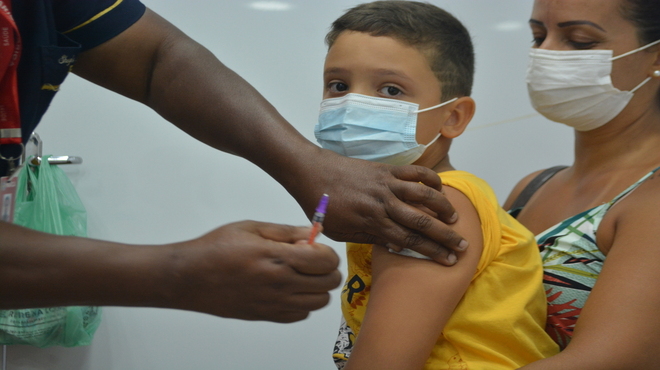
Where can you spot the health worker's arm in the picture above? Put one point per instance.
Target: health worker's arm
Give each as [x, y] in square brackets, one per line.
[412, 299]
[618, 327]
[155, 63]
[245, 270]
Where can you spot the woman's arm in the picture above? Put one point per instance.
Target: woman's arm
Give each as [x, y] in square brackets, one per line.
[619, 326]
[412, 299]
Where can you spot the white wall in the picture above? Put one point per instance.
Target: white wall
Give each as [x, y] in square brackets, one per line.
[145, 181]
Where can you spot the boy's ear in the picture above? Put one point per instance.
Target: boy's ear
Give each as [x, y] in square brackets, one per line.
[461, 114]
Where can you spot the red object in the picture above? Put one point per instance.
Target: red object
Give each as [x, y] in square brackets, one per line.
[315, 231]
[10, 53]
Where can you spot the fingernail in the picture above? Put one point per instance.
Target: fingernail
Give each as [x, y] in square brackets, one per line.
[463, 245]
[451, 258]
[453, 217]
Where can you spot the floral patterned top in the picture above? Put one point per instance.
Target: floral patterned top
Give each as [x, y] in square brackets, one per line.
[572, 262]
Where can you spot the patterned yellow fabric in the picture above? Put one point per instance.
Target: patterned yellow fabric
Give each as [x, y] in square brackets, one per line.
[499, 323]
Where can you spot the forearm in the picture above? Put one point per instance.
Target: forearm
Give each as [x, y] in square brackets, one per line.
[590, 359]
[43, 270]
[559, 361]
[196, 92]
[155, 63]
[191, 88]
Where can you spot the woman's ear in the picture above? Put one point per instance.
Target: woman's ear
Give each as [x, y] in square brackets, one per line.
[462, 111]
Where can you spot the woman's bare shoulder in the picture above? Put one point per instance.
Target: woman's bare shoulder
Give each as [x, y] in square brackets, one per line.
[519, 188]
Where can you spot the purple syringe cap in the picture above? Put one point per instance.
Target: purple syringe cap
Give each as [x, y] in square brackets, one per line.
[323, 204]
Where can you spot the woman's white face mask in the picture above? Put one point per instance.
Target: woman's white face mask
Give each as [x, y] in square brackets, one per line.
[574, 87]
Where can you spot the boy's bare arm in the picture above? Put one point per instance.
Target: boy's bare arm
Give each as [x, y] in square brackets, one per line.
[155, 63]
[412, 299]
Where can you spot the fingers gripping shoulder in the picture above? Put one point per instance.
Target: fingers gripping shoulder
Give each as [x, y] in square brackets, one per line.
[468, 224]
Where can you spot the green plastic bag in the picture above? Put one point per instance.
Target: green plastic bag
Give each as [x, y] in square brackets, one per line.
[47, 201]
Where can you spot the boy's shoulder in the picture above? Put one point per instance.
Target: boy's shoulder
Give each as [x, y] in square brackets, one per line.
[474, 187]
[484, 201]
[501, 233]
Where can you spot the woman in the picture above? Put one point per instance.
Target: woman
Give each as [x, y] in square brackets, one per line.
[599, 219]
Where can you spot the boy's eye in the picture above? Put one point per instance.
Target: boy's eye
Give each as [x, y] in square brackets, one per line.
[337, 86]
[390, 91]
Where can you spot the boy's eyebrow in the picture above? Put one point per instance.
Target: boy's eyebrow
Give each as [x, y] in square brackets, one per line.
[334, 70]
[390, 72]
[379, 72]
[570, 23]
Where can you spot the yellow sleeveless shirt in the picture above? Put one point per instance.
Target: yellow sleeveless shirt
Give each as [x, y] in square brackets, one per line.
[499, 323]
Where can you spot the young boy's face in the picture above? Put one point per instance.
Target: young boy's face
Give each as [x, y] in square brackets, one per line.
[384, 67]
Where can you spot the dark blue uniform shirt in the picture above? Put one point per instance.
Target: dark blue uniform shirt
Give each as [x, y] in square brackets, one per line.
[53, 33]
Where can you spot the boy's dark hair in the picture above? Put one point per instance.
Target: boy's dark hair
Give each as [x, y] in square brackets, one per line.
[444, 41]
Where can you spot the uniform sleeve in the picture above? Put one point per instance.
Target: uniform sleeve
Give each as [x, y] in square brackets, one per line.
[93, 22]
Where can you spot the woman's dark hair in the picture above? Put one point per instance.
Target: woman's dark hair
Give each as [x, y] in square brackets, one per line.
[440, 37]
[645, 15]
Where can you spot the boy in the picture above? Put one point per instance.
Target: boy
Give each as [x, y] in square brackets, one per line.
[385, 61]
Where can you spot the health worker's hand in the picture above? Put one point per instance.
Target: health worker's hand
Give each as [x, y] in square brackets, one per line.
[255, 271]
[382, 204]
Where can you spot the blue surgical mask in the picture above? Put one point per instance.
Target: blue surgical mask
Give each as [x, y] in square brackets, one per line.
[375, 129]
